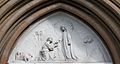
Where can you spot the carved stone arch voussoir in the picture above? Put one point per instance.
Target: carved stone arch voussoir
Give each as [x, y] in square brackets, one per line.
[92, 21]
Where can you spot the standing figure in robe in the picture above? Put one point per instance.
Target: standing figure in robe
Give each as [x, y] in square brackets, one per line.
[66, 42]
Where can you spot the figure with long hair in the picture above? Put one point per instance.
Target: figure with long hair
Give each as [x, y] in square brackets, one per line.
[66, 42]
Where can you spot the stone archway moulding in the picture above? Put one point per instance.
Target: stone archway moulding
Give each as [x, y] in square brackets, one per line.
[14, 20]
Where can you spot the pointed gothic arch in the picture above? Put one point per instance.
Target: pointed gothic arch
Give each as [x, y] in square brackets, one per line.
[17, 18]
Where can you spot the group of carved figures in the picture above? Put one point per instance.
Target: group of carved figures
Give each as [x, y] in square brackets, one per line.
[62, 49]
[59, 50]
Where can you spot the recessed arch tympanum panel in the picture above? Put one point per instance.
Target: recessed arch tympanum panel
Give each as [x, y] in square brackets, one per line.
[101, 15]
[59, 38]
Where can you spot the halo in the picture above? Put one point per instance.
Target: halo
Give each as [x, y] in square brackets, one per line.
[69, 25]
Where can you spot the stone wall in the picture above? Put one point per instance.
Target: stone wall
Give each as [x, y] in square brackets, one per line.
[103, 16]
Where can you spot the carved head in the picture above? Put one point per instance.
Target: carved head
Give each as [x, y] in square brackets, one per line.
[63, 28]
[50, 39]
[19, 53]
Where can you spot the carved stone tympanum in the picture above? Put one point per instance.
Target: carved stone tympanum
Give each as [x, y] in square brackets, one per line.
[59, 38]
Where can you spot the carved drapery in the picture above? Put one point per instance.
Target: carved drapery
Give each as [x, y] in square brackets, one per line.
[102, 16]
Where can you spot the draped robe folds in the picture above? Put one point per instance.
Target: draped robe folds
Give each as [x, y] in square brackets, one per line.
[47, 51]
[68, 51]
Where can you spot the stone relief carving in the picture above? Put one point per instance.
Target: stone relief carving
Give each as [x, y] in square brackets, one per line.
[59, 39]
[47, 51]
[21, 56]
[66, 42]
[51, 50]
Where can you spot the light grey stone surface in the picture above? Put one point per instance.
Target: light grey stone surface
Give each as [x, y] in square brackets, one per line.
[85, 45]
